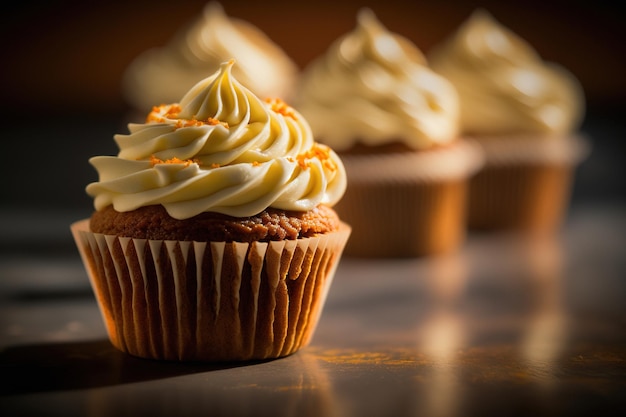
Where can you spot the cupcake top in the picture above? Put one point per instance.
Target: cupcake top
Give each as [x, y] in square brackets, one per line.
[504, 86]
[223, 150]
[163, 75]
[374, 87]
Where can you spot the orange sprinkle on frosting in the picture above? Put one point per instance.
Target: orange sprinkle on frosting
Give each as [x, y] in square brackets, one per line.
[160, 114]
[281, 107]
[155, 161]
[321, 152]
[165, 111]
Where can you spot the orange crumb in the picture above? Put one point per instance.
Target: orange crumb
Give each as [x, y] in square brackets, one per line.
[281, 107]
[170, 111]
[160, 113]
[155, 161]
[214, 122]
[320, 152]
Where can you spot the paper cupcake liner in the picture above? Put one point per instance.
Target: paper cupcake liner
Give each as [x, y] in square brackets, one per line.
[404, 219]
[408, 204]
[525, 184]
[216, 301]
[520, 197]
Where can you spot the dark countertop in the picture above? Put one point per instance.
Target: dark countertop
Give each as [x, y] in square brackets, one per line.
[504, 327]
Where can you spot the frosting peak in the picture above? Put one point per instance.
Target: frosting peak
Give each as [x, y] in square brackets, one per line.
[504, 86]
[374, 41]
[374, 87]
[222, 149]
[222, 98]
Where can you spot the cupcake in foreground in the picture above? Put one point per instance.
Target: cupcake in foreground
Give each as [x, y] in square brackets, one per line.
[213, 236]
[165, 74]
[394, 122]
[525, 113]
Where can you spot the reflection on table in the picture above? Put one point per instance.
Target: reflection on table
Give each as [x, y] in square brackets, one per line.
[506, 326]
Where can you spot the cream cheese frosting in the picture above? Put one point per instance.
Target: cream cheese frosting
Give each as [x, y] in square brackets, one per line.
[221, 149]
[504, 85]
[163, 74]
[375, 87]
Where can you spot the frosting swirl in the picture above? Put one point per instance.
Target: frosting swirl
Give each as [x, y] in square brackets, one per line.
[222, 150]
[164, 74]
[375, 87]
[504, 86]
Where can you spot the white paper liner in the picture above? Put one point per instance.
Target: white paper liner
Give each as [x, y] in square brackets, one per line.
[211, 301]
[456, 161]
[533, 149]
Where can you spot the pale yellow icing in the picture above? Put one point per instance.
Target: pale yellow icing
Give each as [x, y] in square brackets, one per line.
[504, 85]
[222, 149]
[163, 74]
[374, 86]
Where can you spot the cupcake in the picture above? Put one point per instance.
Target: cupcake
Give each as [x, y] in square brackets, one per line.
[526, 114]
[164, 74]
[394, 123]
[213, 236]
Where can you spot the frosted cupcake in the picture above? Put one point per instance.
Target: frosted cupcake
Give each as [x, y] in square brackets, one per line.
[214, 237]
[165, 74]
[525, 113]
[394, 122]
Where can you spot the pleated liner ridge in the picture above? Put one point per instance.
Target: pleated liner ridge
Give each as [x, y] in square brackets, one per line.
[216, 301]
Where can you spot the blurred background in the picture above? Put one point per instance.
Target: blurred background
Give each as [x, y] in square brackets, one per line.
[63, 62]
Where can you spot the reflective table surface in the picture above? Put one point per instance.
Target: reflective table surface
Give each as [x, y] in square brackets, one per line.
[504, 327]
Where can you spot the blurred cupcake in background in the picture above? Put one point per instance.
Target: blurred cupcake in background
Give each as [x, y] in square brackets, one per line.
[526, 114]
[164, 74]
[394, 121]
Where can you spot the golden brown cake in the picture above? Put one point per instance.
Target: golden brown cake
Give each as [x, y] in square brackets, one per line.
[214, 236]
[394, 122]
[153, 222]
[525, 113]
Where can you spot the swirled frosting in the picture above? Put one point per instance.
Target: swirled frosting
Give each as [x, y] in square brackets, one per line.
[164, 74]
[221, 149]
[504, 86]
[374, 87]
